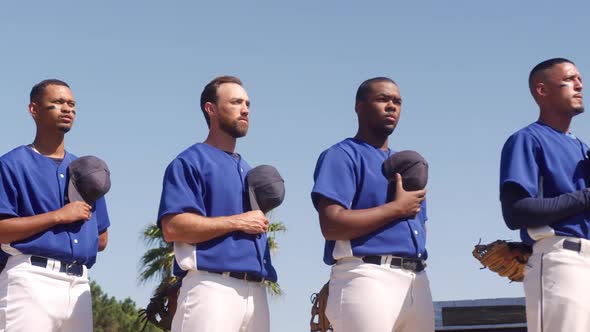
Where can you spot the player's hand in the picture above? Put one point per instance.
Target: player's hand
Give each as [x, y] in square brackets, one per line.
[252, 222]
[408, 202]
[74, 211]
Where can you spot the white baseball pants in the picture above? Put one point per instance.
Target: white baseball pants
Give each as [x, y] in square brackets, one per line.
[556, 285]
[211, 302]
[376, 298]
[40, 299]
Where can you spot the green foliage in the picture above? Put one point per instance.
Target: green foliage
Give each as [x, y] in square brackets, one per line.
[157, 261]
[110, 315]
[273, 288]
[273, 228]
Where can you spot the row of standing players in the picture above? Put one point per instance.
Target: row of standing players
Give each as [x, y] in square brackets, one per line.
[369, 241]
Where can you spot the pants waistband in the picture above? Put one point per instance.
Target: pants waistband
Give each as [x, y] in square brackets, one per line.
[411, 264]
[578, 245]
[73, 269]
[241, 275]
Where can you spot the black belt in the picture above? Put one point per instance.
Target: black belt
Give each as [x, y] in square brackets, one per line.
[572, 245]
[74, 269]
[241, 275]
[412, 264]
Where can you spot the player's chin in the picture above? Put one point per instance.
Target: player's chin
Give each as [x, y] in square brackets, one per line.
[240, 130]
[578, 110]
[387, 129]
[64, 128]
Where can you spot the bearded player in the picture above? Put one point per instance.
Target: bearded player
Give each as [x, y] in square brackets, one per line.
[220, 244]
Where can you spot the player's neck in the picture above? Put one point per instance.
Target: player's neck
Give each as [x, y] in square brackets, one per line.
[378, 142]
[49, 145]
[222, 141]
[556, 121]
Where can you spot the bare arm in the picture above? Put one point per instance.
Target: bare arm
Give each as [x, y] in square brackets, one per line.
[103, 239]
[194, 228]
[338, 223]
[20, 228]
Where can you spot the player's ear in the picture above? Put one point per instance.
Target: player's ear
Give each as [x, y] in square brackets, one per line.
[541, 89]
[358, 106]
[210, 108]
[33, 110]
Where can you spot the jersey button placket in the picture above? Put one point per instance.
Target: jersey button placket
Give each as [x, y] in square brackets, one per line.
[415, 233]
[61, 173]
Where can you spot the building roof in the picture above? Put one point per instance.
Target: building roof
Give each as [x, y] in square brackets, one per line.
[482, 314]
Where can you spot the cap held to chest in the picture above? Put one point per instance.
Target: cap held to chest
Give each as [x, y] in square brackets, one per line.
[266, 188]
[89, 179]
[412, 167]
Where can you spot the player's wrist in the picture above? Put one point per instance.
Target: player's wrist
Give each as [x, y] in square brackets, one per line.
[235, 224]
[56, 218]
[394, 210]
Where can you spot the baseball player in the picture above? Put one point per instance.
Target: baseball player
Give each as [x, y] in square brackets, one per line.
[544, 176]
[49, 241]
[219, 242]
[377, 248]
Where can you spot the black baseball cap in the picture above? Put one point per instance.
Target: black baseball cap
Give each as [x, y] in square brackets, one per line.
[89, 179]
[266, 188]
[411, 166]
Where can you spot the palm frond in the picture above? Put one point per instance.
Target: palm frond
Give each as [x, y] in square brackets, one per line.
[273, 228]
[276, 226]
[273, 288]
[157, 264]
[152, 235]
[157, 261]
[272, 244]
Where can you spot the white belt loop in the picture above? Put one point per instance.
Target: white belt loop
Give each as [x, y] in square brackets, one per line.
[584, 247]
[56, 265]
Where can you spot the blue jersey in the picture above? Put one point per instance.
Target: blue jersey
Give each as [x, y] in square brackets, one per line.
[547, 163]
[211, 183]
[349, 173]
[32, 184]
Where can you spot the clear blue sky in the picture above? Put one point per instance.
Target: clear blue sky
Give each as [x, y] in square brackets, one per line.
[137, 69]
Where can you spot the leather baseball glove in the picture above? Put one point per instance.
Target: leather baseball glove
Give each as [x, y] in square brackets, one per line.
[162, 306]
[507, 259]
[319, 322]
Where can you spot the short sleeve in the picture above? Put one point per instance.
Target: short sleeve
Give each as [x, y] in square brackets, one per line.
[519, 163]
[334, 178]
[8, 193]
[423, 211]
[100, 211]
[182, 190]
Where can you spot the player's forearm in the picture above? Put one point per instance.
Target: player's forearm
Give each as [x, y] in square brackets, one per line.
[20, 228]
[193, 228]
[344, 224]
[521, 211]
